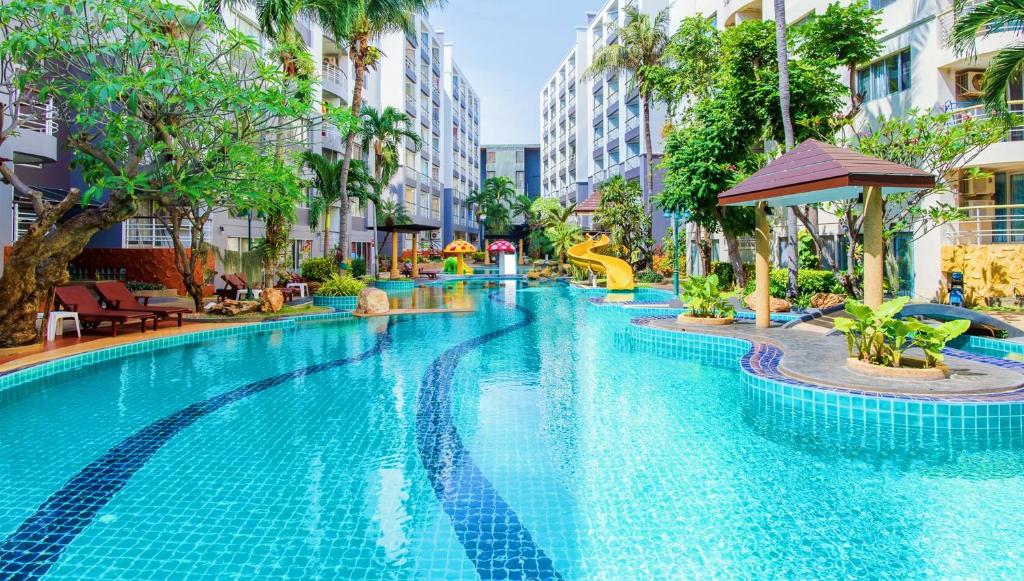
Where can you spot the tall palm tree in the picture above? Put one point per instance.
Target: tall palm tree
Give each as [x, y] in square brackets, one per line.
[493, 201]
[981, 19]
[392, 213]
[790, 138]
[640, 48]
[327, 182]
[382, 133]
[360, 22]
[521, 205]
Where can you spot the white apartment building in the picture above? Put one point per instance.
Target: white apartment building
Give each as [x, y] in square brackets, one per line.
[919, 69]
[462, 170]
[591, 127]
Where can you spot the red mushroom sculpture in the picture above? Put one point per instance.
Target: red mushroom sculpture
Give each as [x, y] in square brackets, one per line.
[506, 252]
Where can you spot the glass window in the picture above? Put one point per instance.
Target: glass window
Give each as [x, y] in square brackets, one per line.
[885, 77]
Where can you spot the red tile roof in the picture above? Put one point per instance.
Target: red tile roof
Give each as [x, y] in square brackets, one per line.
[833, 172]
[589, 206]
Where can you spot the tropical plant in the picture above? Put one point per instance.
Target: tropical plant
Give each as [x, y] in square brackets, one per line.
[318, 269]
[357, 267]
[703, 298]
[521, 206]
[360, 23]
[639, 51]
[494, 201]
[383, 132]
[980, 19]
[689, 63]
[562, 237]
[327, 183]
[341, 285]
[622, 214]
[879, 337]
[649, 276]
[249, 263]
[177, 112]
[392, 213]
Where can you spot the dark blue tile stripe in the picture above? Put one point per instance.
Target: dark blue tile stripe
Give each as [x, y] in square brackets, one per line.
[38, 543]
[495, 540]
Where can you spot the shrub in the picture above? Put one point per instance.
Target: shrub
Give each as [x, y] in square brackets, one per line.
[703, 297]
[341, 286]
[649, 276]
[319, 269]
[478, 255]
[139, 285]
[876, 336]
[808, 283]
[723, 271]
[357, 267]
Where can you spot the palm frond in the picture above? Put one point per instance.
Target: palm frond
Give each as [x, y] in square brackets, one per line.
[1006, 67]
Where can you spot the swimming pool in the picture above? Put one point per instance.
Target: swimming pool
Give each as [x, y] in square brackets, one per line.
[529, 439]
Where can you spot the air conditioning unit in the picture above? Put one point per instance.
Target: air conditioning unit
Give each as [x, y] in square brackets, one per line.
[970, 84]
[435, 235]
[331, 60]
[984, 186]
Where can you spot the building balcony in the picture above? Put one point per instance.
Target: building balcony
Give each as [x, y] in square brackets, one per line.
[1007, 152]
[410, 69]
[330, 138]
[335, 81]
[613, 104]
[631, 168]
[613, 139]
[988, 224]
[36, 139]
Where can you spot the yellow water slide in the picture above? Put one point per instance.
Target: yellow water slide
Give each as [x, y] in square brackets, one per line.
[618, 272]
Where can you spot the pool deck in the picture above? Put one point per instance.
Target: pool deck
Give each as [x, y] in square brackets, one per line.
[818, 359]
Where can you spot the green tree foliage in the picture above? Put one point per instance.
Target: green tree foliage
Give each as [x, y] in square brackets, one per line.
[179, 109]
[979, 19]
[621, 213]
[690, 63]
[494, 201]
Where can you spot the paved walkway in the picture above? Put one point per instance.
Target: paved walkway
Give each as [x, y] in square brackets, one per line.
[818, 359]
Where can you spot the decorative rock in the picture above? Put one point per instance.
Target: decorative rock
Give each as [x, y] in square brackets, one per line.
[777, 305]
[271, 300]
[232, 308]
[827, 300]
[372, 301]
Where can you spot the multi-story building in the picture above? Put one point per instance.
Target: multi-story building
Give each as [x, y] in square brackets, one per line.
[591, 126]
[417, 74]
[919, 69]
[518, 163]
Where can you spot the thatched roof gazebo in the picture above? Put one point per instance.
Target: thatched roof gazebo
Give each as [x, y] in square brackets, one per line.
[818, 172]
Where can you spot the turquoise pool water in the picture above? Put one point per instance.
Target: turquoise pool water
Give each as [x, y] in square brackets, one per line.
[531, 439]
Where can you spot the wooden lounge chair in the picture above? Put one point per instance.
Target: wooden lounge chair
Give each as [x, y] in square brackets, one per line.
[232, 286]
[430, 273]
[406, 269]
[91, 313]
[117, 296]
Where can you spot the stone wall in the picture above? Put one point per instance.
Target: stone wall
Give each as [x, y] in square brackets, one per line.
[142, 264]
[990, 270]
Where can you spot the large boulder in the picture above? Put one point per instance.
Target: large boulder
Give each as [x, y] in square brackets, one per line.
[271, 300]
[232, 308]
[372, 301]
[827, 300]
[777, 305]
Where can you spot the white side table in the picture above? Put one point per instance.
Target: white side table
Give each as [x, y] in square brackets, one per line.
[244, 293]
[55, 324]
[303, 288]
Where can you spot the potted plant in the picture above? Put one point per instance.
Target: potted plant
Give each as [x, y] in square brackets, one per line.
[877, 341]
[339, 291]
[704, 302]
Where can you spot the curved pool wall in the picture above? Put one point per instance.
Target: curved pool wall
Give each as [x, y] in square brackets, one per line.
[336, 303]
[998, 348]
[767, 385]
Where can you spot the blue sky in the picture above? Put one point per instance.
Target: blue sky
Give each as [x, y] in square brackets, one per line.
[507, 49]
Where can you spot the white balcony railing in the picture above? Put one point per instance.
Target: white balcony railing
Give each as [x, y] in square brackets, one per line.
[996, 224]
[947, 21]
[333, 73]
[631, 163]
[38, 117]
[632, 122]
[979, 111]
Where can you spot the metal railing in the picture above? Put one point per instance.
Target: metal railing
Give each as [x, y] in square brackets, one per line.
[947, 22]
[977, 111]
[37, 117]
[631, 163]
[632, 123]
[334, 74]
[995, 224]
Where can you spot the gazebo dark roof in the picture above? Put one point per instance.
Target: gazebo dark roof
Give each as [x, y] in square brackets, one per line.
[407, 228]
[818, 172]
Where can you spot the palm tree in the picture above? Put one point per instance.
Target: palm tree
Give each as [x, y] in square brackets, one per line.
[787, 129]
[521, 205]
[494, 200]
[382, 132]
[392, 213]
[360, 22]
[563, 237]
[981, 19]
[327, 182]
[640, 49]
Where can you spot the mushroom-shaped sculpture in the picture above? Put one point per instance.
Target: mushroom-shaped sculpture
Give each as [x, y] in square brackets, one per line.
[458, 249]
[506, 252]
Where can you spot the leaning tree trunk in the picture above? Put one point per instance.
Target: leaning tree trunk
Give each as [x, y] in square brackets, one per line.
[732, 244]
[358, 53]
[191, 261]
[649, 145]
[790, 252]
[39, 262]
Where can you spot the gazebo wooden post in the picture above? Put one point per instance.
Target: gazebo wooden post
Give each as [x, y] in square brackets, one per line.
[487, 255]
[394, 255]
[762, 265]
[522, 257]
[415, 255]
[873, 247]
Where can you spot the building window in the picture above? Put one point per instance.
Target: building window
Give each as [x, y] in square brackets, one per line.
[24, 216]
[886, 76]
[879, 4]
[146, 229]
[301, 250]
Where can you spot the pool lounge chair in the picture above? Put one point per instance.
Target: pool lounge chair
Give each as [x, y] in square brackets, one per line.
[232, 286]
[91, 313]
[289, 293]
[117, 296]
